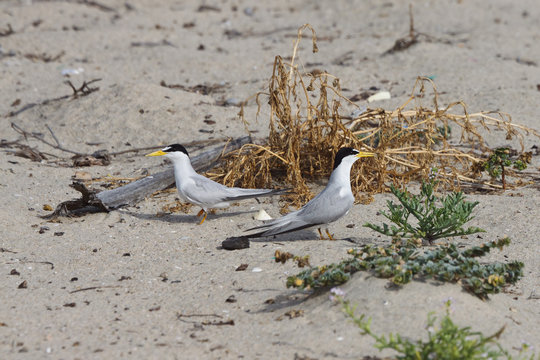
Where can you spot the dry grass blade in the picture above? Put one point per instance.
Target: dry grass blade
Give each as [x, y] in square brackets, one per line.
[410, 141]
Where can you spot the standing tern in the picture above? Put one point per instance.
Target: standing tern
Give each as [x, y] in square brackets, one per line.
[201, 191]
[328, 206]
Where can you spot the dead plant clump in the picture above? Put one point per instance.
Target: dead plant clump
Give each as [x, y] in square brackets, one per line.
[411, 142]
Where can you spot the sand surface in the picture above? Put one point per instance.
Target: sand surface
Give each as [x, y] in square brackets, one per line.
[161, 284]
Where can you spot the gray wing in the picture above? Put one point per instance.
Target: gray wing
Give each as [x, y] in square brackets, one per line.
[208, 192]
[326, 207]
[285, 224]
[203, 191]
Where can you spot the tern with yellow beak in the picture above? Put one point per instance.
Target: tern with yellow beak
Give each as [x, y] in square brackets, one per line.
[201, 191]
[329, 205]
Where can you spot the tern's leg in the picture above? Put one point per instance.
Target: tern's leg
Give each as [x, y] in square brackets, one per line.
[204, 217]
[330, 237]
[200, 213]
[320, 234]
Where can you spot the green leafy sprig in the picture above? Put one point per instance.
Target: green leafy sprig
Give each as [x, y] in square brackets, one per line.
[432, 222]
[447, 341]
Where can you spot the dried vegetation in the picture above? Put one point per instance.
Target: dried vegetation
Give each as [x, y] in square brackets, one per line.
[310, 119]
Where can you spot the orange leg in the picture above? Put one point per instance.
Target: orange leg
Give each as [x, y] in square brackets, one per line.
[204, 217]
[200, 213]
[320, 234]
[330, 237]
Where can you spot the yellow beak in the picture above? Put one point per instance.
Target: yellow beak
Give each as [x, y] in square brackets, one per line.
[156, 153]
[362, 154]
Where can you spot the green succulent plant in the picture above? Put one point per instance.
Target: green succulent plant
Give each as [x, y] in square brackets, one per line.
[402, 261]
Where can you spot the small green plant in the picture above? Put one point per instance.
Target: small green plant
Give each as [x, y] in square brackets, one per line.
[433, 222]
[447, 342]
[402, 261]
[499, 160]
[445, 131]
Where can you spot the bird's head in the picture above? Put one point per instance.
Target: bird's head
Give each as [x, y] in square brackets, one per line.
[174, 151]
[349, 155]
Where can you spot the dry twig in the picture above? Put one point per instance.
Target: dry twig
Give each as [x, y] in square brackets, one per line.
[84, 89]
[28, 134]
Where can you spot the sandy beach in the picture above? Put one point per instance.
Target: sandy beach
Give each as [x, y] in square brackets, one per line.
[144, 283]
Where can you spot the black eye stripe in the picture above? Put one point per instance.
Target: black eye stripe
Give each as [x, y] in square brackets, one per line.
[174, 148]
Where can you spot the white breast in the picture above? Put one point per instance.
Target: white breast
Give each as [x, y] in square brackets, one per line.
[344, 193]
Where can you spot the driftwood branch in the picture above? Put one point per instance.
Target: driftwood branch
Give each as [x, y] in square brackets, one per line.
[136, 191]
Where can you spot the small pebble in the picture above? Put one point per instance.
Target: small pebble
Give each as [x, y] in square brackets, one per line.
[235, 243]
[242, 267]
[233, 102]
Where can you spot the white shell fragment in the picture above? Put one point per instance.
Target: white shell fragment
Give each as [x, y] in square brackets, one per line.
[381, 95]
[262, 215]
[75, 71]
[256, 269]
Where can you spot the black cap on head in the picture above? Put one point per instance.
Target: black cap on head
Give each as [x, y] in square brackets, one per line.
[175, 147]
[343, 152]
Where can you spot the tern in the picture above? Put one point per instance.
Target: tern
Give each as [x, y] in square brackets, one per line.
[329, 205]
[201, 191]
